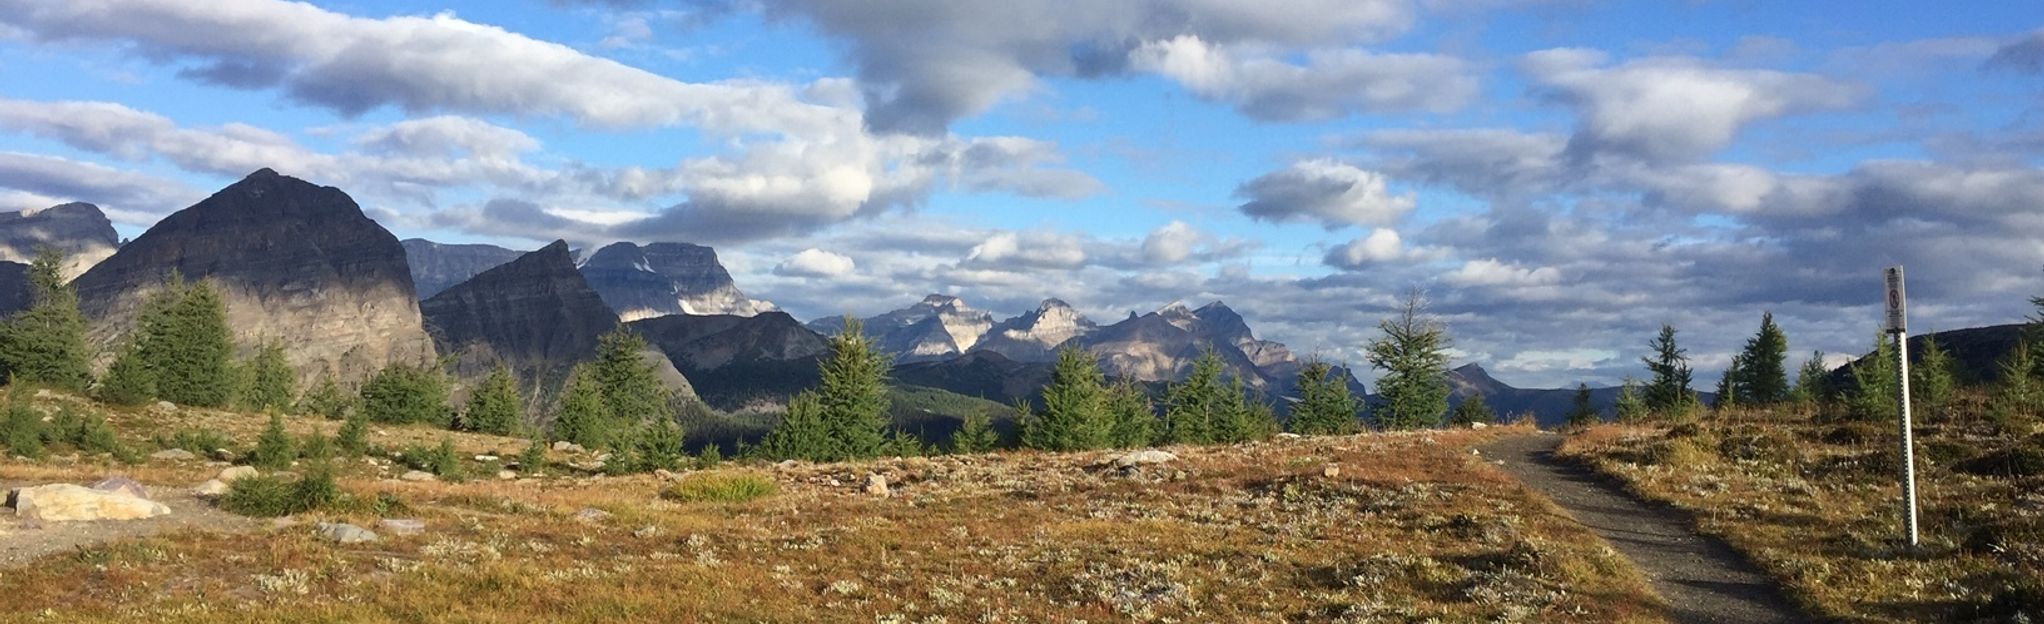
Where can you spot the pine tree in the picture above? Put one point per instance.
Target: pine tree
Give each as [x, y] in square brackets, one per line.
[1325, 406]
[711, 457]
[659, 445]
[2019, 399]
[1763, 372]
[803, 433]
[1728, 389]
[403, 393]
[1667, 392]
[901, 443]
[1584, 412]
[45, 344]
[533, 460]
[493, 408]
[1413, 356]
[975, 436]
[1931, 380]
[1631, 407]
[854, 395]
[1190, 405]
[1813, 382]
[186, 345]
[274, 450]
[21, 428]
[585, 417]
[353, 438]
[1873, 381]
[1237, 419]
[631, 388]
[128, 380]
[325, 399]
[1075, 415]
[1474, 409]
[1134, 417]
[272, 383]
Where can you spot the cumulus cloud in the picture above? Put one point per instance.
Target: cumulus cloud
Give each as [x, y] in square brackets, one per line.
[813, 262]
[1381, 245]
[128, 197]
[1027, 249]
[1330, 84]
[1171, 243]
[1330, 192]
[1491, 272]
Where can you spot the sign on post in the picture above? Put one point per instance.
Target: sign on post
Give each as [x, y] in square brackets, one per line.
[1898, 324]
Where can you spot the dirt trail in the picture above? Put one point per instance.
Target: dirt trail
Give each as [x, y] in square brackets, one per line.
[21, 543]
[1702, 579]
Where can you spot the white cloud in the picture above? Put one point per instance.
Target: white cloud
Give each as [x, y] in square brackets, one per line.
[1171, 243]
[1330, 84]
[813, 262]
[1381, 245]
[1009, 250]
[1491, 272]
[1333, 193]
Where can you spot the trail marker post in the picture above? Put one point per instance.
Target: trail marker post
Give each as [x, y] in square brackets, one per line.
[1898, 324]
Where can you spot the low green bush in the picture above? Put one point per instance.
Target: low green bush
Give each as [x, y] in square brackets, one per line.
[720, 487]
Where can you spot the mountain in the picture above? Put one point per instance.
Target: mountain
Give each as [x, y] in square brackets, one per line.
[982, 374]
[938, 327]
[1035, 335]
[666, 278]
[1549, 407]
[15, 291]
[1976, 353]
[79, 230]
[536, 308]
[1161, 346]
[738, 361]
[436, 266]
[295, 262]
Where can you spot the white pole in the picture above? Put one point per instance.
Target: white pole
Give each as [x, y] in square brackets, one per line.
[1908, 442]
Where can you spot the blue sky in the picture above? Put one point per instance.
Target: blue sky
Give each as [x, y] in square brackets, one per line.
[1559, 177]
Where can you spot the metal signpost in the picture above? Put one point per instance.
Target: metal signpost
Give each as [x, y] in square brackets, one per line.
[1898, 324]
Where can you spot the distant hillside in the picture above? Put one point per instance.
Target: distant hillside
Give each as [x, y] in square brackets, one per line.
[1976, 351]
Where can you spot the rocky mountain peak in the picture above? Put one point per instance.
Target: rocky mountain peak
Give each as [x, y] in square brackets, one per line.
[436, 266]
[534, 310]
[80, 230]
[666, 278]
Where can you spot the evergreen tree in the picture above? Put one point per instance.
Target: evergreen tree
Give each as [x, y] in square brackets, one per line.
[1190, 405]
[1631, 407]
[1134, 418]
[1472, 410]
[128, 380]
[21, 428]
[803, 433]
[45, 344]
[274, 450]
[1237, 419]
[1325, 406]
[1763, 366]
[1728, 389]
[901, 443]
[1873, 381]
[2019, 399]
[976, 435]
[271, 382]
[1668, 391]
[402, 393]
[186, 345]
[631, 387]
[353, 438]
[854, 394]
[1075, 415]
[1931, 380]
[585, 417]
[325, 399]
[1413, 356]
[1813, 382]
[1584, 411]
[493, 408]
[533, 460]
[659, 445]
[711, 457]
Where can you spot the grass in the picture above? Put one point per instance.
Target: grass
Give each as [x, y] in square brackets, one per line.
[1413, 528]
[1815, 501]
[720, 487]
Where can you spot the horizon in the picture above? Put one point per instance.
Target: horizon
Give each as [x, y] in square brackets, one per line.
[1561, 179]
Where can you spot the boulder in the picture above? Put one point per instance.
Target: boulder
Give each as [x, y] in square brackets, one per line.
[1144, 457]
[235, 473]
[876, 485]
[212, 488]
[567, 447]
[344, 533]
[173, 455]
[418, 475]
[506, 475]
[402, 526]
[64, 502]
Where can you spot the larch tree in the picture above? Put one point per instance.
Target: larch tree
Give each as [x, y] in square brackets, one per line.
[1413, 356]
[45, 344]
[1667, 390]
[1325, 405]
[1763, 366]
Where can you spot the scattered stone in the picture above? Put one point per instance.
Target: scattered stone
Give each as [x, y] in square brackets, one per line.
[1143, 457]
[402, 526]
[344, 533]
[223, 455]
[506, 475]
[787, 463]
[1331, 471]
[486, 458]
[64, 502]
[665, 475]
[122, 485]
[1475, 452]
[173, 455]
[212, 488]
[1288, 436]
[876, 485]
[567, 446]
[166, 406]
[646, 532]
[418, 475]
[234, 473]
[591, 515]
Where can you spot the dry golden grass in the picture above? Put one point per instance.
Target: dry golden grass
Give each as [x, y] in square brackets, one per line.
[1818, 505]
[1412, 528]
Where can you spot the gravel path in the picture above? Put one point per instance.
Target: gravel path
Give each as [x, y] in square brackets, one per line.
[22, 543]
[1702, 579]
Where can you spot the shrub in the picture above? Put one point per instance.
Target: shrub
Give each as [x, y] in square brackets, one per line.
[271, 382]
[353, 438]
[128, 380]
[274, 450]
[200, 441]
[316, 447]
[268, 496]
[533, 460]
[493, 408]
[326, 399]
[402, 393]
[711, 457]
[440, 460]
[714, 487]
[21, 429]
[975, 436]
[89, 433]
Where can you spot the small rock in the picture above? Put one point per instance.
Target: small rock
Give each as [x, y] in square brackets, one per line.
[665, 475]
[223, 455]
[344, 533]
[567, 446]
[418, 475]
[1289, 436]
[234, 473]
[402, 526]
[1475, 452]
[44, 394]
[1479, 425]
[173, 455]
[1142, 457]
[646, 531]
[1331, 471]
[166, 406]
[212, 488]
[486, 458]
[64, 502]
[121, 485]
[591, 515]
[787, 463]
[506, 475]
[876, 485]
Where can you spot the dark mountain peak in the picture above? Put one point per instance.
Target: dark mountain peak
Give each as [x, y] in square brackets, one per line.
[436, 266]
[536, 308]
[263, 173]
[621, 252]
[78, 229]
[640, 281]
[1214, 306]
[1472, 370]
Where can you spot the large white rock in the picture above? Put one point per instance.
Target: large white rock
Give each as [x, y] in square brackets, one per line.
[233, 473]
[1146, 456]
[212, 488]
[64, 502]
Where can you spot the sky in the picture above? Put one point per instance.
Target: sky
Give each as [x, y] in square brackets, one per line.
[1558, 178]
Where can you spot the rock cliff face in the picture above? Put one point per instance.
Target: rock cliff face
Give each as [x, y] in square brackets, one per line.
[79, 230]
[666, 278]
[534, 309]
[436, 266]
[738, 361]
[1035, 335]
[296, 263]
[938, 327]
